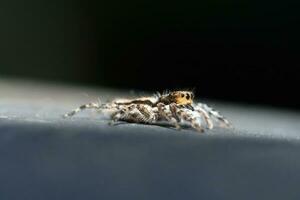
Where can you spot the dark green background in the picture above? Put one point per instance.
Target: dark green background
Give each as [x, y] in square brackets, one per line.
[232, 50]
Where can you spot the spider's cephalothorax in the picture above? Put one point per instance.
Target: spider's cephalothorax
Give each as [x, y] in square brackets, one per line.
[178, 97]
[176, 108]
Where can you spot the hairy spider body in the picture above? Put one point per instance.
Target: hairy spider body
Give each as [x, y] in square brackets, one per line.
[175, 108]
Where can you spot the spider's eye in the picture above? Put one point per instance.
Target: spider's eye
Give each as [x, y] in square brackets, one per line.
[187, 96]
[182, 95]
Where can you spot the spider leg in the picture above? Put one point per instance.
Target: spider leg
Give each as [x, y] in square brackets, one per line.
[82, 107]
[187, 116]
[149, 116]
[169, 116]
[215, 114]
[174, 109]
[118, 115]
[206, 116]
[135, 113]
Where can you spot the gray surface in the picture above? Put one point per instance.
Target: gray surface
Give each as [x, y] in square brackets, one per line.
[43, 156]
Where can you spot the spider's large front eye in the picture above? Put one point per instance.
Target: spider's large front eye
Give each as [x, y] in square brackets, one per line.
[187, 96]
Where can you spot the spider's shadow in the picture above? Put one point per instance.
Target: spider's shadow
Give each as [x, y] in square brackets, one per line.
[162, 125]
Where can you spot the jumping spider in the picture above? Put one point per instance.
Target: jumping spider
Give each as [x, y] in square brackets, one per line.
[174, 108]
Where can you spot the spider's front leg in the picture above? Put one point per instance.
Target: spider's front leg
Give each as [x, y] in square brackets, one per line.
[95, 106]
[188, 116]
[208, 120]
[168, 114]
[214, 114]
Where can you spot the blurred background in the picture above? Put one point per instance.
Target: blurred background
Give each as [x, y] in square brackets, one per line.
[233, 50]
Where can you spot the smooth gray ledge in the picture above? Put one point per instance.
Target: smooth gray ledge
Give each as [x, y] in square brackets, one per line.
[43, 156]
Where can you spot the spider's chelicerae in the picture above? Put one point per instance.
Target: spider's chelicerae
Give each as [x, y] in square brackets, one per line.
[175, 108]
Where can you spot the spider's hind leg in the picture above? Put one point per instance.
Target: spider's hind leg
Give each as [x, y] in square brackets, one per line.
[82, 107]
[134, 113]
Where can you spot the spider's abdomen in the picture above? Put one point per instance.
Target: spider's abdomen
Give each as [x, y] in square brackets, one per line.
[143, 100]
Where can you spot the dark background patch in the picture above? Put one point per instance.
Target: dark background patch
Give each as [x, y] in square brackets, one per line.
[244, 51]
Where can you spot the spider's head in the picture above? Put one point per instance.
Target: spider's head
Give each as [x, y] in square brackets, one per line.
[182, 97]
